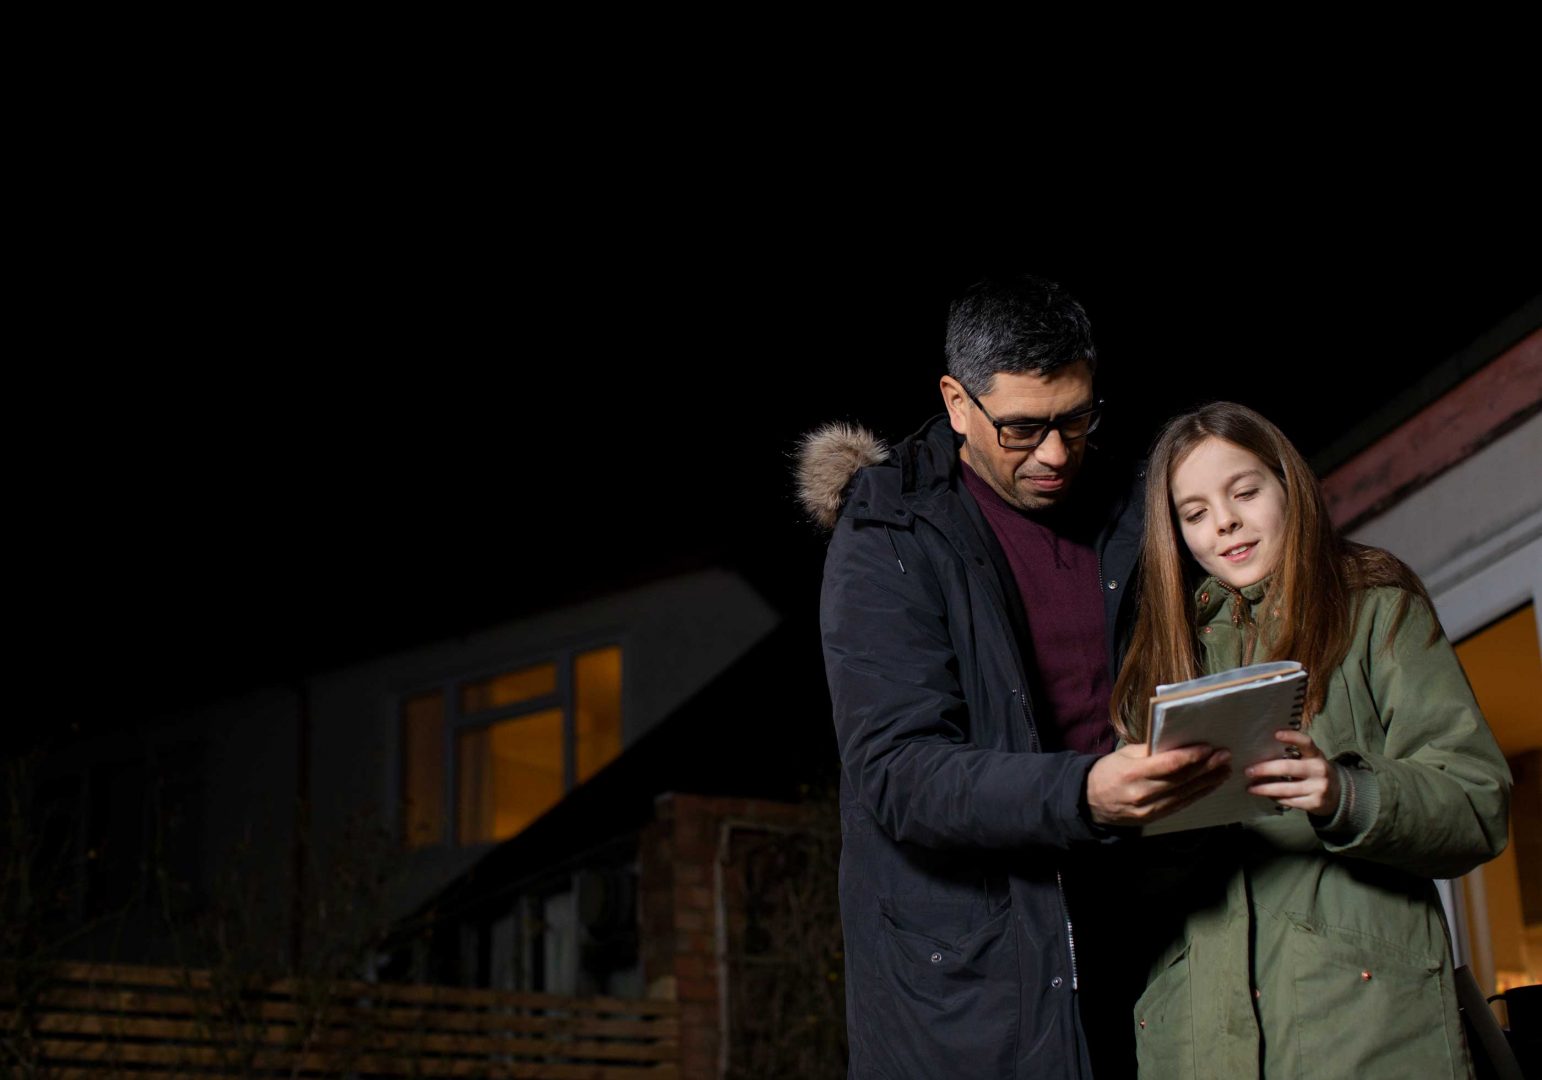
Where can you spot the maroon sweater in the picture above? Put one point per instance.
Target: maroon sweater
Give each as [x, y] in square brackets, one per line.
[1057, 577]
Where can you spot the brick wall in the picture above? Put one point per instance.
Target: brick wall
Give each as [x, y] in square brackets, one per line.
[678, 909]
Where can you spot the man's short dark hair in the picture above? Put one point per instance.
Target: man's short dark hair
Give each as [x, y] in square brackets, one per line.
[1017, 324]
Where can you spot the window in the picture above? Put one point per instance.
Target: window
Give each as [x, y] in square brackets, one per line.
[484, 757]
[423, 776]
[1503, 898]
[598, 685]
[510, 773]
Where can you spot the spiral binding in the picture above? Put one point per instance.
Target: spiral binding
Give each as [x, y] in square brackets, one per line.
[1295, 725]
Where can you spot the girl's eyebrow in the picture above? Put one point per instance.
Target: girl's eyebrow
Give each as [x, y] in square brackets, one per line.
[1230, 480]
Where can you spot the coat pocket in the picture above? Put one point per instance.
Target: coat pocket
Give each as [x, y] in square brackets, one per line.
[948, 991]
[1164, 1023]
[1366, 1007]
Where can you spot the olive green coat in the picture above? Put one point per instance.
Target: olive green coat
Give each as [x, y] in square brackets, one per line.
[1295, 952]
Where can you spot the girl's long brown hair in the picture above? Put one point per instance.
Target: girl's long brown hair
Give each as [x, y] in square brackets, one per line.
[1311, 588]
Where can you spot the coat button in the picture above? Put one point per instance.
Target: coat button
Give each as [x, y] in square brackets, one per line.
[936, 958]
[1255, 993]
[1365, 976]
[1113, 583]
[1143, 1023]
[1204, 629]
[1204, 598]
[1056, 981]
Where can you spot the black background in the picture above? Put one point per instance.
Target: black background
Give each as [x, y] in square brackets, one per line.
[311, 395]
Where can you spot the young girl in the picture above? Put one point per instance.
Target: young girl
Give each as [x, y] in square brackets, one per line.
[1311, 944]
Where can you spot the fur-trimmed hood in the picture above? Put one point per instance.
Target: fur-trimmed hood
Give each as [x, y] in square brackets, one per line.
[828, 458]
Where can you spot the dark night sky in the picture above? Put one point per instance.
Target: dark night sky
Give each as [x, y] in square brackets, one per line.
[345, 414]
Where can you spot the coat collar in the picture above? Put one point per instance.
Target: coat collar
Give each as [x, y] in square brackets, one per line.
[1213, 594]
[836, 478]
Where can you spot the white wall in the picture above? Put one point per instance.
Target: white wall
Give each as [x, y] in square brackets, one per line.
[1474, 533]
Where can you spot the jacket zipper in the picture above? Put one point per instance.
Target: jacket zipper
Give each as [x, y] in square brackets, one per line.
[1114, 645]
[1065, 908]
[1036, 746]
[1070, 933]
[1242, 615]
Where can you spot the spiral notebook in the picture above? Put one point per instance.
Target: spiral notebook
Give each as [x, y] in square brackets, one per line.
[1239, 710]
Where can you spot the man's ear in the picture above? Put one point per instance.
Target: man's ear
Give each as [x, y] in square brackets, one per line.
[956, 402]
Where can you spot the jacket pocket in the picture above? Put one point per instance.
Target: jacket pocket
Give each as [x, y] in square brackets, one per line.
[947, 993]
[1366, 1007]
[1164, 1023]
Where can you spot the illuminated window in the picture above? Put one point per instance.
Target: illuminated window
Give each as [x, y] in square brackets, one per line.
[508, 746]
[1504, 897]
[510, 773]
[509, 688]
[598, 678]
[423, 768]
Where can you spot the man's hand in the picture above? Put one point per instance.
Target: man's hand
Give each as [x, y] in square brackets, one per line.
[1304, 780]
[1134, 787]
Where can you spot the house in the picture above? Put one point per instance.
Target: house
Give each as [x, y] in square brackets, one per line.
[670, 872]
[304, 814]
[1449, 477]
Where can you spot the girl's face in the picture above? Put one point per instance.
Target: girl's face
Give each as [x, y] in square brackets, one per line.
[1231, 510]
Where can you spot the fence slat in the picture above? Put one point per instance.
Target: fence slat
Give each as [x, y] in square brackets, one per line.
[178, 978]
[133, 974]
[443, 1018]
[193, 1031]
[468, 996]
[110, 1056]
[92, 1072]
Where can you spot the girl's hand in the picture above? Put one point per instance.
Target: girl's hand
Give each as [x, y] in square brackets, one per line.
[1309, 783]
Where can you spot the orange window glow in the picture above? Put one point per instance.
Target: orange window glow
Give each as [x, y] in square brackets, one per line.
[423, 769]
[509, 773]
[597, 679]
[509, 688]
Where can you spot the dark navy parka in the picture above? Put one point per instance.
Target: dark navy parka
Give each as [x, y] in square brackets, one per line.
[957, 828]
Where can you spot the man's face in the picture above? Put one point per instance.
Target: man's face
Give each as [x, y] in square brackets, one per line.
[1035, 479]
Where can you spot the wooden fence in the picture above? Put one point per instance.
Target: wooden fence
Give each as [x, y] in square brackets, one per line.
[94, 1021]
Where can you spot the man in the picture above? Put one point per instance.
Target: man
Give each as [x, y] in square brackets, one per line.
[974, 598]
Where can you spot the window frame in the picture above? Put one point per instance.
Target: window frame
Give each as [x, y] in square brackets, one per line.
[564, 699]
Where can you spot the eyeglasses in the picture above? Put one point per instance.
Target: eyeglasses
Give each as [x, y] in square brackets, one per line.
[1030, 434]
